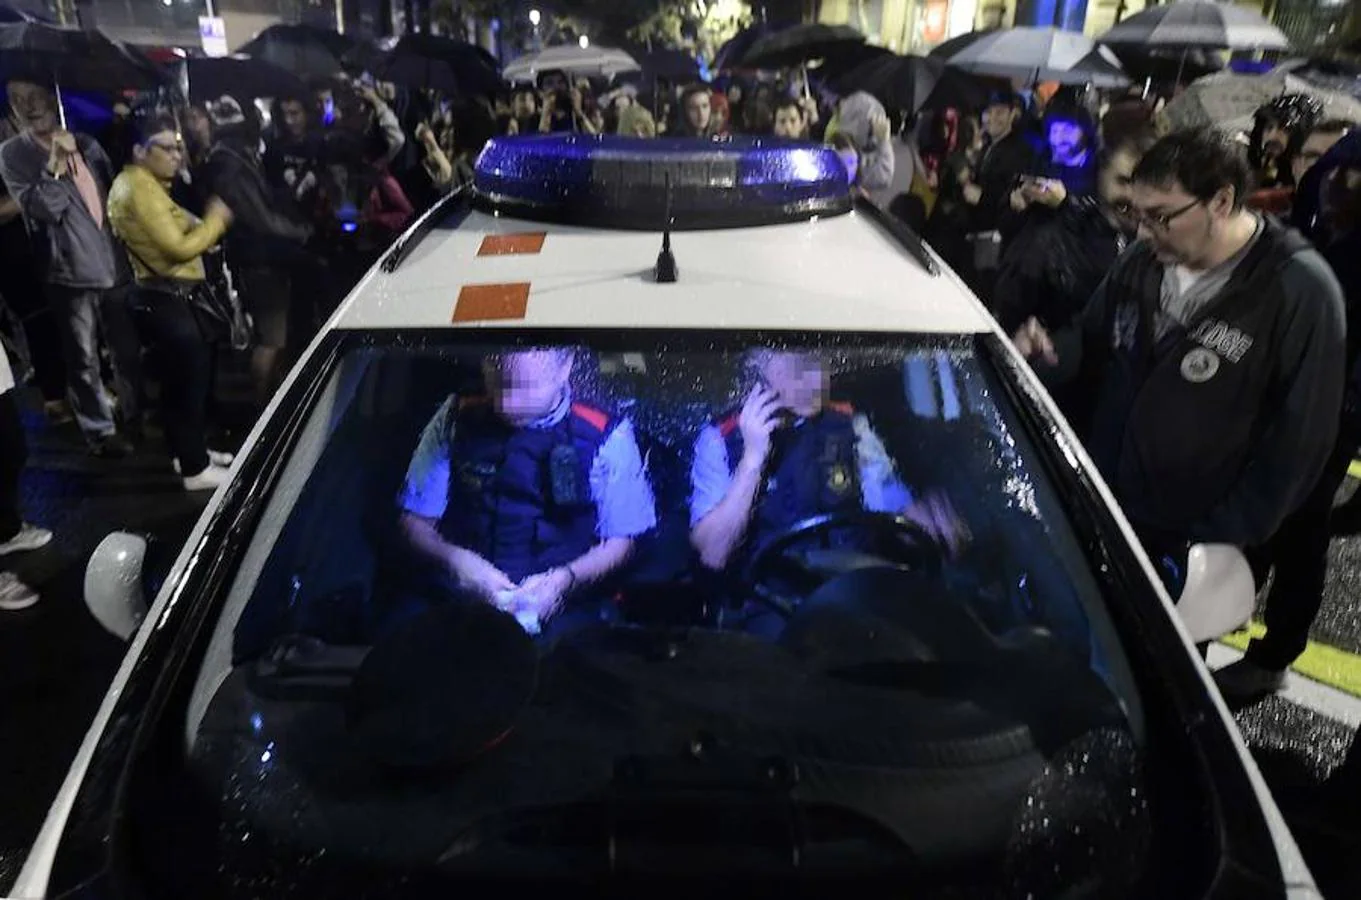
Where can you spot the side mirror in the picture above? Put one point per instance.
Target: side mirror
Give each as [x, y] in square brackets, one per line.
[1220, 592]
[113, 583]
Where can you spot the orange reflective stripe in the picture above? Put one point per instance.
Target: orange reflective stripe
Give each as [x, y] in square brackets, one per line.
[527, 243]
[591, 416]
[485, 302]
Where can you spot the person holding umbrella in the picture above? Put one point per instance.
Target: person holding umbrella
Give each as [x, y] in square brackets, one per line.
[60, 181]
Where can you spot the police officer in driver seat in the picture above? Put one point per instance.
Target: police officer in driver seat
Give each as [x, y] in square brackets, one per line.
[524, 498]
[789, 454]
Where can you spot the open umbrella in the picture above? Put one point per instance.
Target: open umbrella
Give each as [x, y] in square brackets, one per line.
[573, 60]
[1198, 23]
[843, 61]
[301, 49]
[913, 83]
[241, 77]
[1041, 54]
[437, 63]
[1229, 100]
[800, 44]
[75, 59]
[1168, 64]
[729, 56]
[955, 44]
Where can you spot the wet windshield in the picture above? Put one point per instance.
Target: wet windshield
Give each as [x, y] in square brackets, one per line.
[651, 603]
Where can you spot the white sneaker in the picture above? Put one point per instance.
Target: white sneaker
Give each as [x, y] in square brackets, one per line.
[215, 458]
[30, 537]
[209, 479]
[14, 594]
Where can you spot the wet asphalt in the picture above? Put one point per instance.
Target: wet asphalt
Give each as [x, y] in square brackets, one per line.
[56, 661]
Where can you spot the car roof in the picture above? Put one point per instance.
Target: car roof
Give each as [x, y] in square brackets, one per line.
[837, 273]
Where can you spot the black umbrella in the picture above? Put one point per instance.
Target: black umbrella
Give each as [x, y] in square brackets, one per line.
[241, 77]
[74, 59]
[913, 83]
[800, 44]
[729, 56]
[850, 58]
[81, 60]
[956, 44]
[301, 49]
[431, 62]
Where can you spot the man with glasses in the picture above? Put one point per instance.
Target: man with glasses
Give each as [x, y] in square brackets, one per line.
[1214, 352]
[61, 182]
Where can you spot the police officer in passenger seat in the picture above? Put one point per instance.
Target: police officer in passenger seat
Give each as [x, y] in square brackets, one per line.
[788, 454]
[525, 498]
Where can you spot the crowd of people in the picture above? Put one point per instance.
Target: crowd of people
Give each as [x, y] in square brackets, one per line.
[128, 259]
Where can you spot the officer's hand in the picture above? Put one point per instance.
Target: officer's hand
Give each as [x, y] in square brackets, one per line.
[759, 417]
[478, 576]
[937, 517]
[1032, 340]
[543, 593]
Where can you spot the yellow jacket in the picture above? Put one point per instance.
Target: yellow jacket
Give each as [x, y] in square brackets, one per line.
[157, 231]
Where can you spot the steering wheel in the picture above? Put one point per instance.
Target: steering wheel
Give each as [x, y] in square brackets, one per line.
[918, 551]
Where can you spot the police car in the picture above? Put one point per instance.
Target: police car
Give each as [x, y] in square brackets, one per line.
[1016, 712]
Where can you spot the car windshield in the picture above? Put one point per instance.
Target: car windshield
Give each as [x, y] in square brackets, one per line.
[644, 603]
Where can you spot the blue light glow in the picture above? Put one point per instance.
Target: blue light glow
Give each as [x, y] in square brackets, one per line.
[614, 180]
[349, 227]
[257, 722]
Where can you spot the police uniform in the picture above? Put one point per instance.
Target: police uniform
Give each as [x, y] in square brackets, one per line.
[531, 498]
[830, 463]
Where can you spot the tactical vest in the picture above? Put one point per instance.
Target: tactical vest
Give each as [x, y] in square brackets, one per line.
[812, 470]
[521, 497]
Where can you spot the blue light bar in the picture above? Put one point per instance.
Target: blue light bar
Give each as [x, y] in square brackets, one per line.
[621, 182]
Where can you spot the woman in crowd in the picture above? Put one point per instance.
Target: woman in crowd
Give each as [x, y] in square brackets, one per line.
[165, 244]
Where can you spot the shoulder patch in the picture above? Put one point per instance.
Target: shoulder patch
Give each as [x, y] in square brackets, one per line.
[596, 418]
[844, 409]
[728, 423]
[472, 402]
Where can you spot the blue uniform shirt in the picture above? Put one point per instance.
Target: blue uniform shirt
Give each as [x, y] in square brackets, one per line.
[619, 487]
[881, 490]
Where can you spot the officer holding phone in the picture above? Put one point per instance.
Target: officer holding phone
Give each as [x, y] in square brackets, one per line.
[524, 498]
[788, 454]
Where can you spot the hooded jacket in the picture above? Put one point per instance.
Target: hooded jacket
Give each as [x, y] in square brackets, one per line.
[1216, 431]
[876, 160]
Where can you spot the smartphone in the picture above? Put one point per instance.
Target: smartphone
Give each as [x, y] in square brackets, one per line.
[328, 111]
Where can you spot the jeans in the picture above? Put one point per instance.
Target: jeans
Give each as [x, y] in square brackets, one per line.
[77, 311]
[125, 348]
[183, 365]
[1299, 553]
[13, 455]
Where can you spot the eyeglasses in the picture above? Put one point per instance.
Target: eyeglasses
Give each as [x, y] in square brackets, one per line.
[1158, 222]
[175, 147]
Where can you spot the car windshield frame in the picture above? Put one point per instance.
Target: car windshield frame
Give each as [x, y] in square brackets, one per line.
[175, 645]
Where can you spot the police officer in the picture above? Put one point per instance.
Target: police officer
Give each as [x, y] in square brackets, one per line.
[788, 454]
[525, 498]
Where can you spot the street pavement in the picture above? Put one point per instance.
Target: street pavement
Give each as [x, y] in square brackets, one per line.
[56, 661]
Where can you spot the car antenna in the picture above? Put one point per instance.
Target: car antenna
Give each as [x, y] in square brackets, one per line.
[665, 270]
